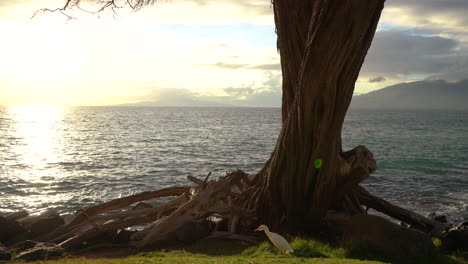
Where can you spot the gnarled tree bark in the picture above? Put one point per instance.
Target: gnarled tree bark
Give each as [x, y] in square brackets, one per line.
[322, 44]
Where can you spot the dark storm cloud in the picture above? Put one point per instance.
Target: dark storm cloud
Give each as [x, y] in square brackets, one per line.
[395, 52]
[377, 79]
[433, 44]
[456, 72]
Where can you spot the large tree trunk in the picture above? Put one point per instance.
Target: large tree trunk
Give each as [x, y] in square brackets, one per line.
[322, 44]
[292, 37]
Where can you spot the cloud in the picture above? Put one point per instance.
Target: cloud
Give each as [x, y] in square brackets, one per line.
[229, 66]
[267, 67]
[402, 55]
[448, 14]
[236, 66]
[267, 93]
[232, 50]
[9, 3]
[400, 52]
[377, 79]
[258, 6]
[238, 92]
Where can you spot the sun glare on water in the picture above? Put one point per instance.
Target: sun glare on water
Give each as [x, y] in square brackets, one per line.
[33, 135]
[36, 130]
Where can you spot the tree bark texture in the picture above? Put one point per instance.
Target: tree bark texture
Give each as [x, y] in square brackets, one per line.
[322, 44]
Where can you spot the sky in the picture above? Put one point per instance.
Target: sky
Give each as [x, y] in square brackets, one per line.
[221, 51]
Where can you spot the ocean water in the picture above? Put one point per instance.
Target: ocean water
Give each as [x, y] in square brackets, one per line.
[65, 158]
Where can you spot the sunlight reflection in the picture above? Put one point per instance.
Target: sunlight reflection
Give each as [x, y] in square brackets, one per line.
[37, 130]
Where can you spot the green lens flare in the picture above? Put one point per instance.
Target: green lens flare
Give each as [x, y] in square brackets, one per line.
[318, 163]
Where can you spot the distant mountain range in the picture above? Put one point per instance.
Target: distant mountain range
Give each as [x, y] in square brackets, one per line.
[178, 103]
[416, 95]
[409, 96]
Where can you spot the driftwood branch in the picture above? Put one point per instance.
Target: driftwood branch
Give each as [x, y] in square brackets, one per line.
[122, 220]
[205, 180]
[423, 223]
[202, 205]
[126, 201]
[166, 221]
[195, 180]
[84, 217]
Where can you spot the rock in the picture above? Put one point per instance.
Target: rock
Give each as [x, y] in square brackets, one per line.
[41, 251]
[42, 224]
[4, 253]
[28, 221]
[9, 229]
[386, 238]
[192, 231]
[19, 238]
[437, 217]
[455, 239]
[441, 219]
[46, 225]
[25, 245]
[17, 215]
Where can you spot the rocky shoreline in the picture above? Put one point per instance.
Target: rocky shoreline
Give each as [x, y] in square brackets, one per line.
[25, 235]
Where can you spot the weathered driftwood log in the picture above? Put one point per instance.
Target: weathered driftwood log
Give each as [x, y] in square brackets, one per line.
[201, 183]
[195, 180]
[76, 237]
[425, 224]
[126, 201]
[85, 215]
[203, 204]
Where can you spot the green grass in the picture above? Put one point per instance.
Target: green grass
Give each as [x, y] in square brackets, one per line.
[305, 251]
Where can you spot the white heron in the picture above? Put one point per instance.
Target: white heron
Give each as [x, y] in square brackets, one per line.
[280, 242]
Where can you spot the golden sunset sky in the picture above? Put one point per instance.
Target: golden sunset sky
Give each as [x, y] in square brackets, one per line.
[217, 51]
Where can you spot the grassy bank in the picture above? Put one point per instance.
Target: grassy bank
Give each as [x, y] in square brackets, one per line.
[230, 252]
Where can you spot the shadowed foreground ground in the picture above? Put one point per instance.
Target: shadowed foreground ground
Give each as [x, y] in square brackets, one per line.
[211, 251]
